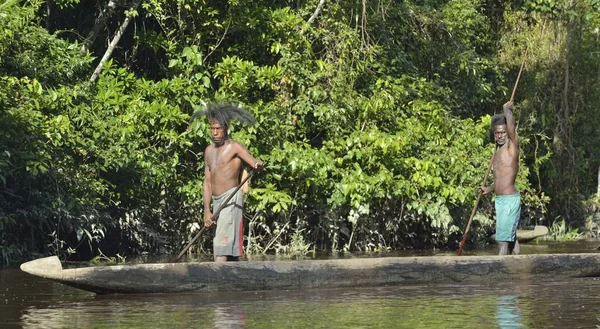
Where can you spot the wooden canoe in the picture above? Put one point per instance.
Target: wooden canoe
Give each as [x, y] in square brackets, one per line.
[283, 275]
[527, 235]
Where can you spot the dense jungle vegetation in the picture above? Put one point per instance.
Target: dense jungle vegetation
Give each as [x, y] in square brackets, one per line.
[372, 117]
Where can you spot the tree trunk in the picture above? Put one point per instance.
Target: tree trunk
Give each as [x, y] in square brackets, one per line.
[48, 12]
[114, 42]
[98, 25]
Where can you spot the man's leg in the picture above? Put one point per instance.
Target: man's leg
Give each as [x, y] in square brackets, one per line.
[220, 258]
[502, 248]
[515, 247]
[226, 259]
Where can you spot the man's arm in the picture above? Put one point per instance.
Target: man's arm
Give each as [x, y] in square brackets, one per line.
[243, 153]
[486, 189]
[511, 128]
[207, 194]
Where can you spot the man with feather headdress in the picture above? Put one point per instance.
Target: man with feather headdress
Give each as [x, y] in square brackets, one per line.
[223, 167]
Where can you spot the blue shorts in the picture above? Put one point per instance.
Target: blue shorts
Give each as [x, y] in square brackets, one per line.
[508, 213]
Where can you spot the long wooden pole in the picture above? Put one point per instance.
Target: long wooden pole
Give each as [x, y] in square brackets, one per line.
[214, 217]
[489, 167]
[512, 97]
[487, 173]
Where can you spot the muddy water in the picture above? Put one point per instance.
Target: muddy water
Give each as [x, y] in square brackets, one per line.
[31, 302]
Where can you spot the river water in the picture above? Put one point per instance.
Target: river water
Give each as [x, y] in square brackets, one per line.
[30, 302]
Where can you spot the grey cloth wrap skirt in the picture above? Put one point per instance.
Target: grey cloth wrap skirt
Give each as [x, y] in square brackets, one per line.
[229, 235]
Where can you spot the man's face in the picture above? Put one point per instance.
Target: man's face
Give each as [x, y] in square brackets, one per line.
[218, 133]
[500, 134]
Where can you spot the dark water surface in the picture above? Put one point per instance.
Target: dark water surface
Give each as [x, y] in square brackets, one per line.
[30, 302]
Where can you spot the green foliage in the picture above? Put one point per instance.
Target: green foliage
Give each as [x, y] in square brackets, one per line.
[375, 128]
[32, 52]
[557, 110]
[59, 247]
[103, 259]
[298, 247]
[559, 231]
[548, 7]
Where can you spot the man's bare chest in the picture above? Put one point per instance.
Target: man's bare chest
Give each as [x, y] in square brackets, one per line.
[220, 156]
[505, 158]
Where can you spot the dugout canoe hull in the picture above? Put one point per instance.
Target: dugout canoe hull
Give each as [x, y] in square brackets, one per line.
[286, 275]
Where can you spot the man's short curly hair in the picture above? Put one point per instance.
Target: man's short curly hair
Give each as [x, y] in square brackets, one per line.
[498, 119]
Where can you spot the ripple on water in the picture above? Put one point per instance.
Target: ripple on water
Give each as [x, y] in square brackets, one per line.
[544, 304]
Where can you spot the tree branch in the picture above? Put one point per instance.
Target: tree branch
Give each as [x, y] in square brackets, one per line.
[220, 41]
[113, 43]
[315, 14]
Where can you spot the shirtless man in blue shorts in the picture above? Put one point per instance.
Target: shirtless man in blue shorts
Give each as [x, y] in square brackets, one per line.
[506, 167]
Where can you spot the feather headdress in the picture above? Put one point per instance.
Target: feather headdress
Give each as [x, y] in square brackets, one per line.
[223, 113]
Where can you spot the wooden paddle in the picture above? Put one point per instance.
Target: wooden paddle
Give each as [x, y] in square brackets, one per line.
[214, 217]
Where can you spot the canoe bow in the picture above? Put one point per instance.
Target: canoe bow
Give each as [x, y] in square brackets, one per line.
[48, 267]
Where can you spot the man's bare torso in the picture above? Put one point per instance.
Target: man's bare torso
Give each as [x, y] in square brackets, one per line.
[225, 166]
[506, 166]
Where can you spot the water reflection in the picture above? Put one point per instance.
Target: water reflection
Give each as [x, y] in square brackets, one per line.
[498, 305]
[508, 313]
[31, 302]
[229, 316]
